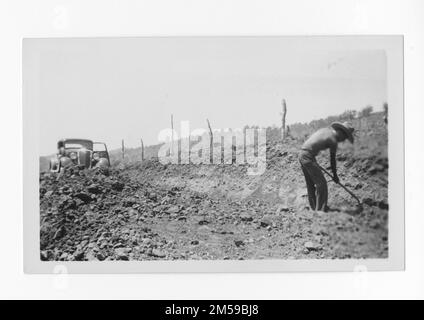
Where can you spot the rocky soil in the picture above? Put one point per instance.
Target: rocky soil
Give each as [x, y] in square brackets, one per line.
[150, 211]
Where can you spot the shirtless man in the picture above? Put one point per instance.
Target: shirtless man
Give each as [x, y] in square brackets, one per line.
[325, 138]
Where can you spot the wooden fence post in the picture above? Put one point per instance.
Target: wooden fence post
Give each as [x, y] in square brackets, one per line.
[172, 136]
[210, 142]
[142, 149]
[123, 149]
[386, 112]
[283, 120]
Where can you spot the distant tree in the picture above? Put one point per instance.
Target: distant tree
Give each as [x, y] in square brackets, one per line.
[348, 115]
[386, 112]
[365, 112]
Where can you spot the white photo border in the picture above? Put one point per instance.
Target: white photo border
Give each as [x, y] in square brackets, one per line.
[393, 45]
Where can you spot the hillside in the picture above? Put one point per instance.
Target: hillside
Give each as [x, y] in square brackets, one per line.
[146, 210]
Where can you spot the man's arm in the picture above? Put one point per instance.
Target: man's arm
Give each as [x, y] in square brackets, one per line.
[333, 151]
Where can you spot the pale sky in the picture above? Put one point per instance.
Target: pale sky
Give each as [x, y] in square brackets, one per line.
[126, 88]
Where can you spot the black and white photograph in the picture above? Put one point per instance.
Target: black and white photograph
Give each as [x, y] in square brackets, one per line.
[212, 157]
[212, 148]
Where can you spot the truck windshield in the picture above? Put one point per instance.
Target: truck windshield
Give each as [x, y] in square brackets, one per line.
[97, 146]
[79, 145]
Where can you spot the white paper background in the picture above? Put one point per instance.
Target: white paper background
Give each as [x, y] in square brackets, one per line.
[20, 19]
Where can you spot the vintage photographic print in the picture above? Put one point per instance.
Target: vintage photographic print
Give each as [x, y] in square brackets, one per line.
[246, 153]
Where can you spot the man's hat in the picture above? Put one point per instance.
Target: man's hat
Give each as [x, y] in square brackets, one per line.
[346, 127]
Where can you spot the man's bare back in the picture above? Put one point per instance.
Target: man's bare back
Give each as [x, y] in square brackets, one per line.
[325, 138]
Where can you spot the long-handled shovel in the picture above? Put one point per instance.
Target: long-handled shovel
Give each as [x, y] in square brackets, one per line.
[346, 189]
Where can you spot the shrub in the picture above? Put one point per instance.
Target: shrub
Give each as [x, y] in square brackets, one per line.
[365, 112]
[348, 115]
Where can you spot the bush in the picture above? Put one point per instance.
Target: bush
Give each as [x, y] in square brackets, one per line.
[348, 115]
[365, 112]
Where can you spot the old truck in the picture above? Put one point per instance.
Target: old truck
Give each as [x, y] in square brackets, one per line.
[81, 152]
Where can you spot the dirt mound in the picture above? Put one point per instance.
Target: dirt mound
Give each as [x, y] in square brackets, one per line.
[130, 216]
